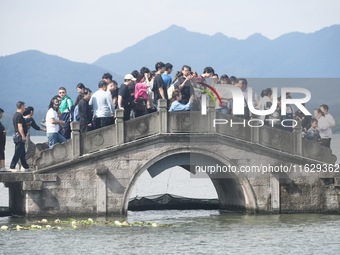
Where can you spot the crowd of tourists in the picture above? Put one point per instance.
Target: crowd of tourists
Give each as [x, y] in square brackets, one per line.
[138, 95]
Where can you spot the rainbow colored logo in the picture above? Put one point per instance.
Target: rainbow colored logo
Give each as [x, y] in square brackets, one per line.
[209, 90]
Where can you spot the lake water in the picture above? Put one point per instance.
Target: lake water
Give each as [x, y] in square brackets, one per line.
[190, 232]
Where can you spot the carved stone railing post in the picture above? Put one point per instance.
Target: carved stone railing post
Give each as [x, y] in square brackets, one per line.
[120, 126]
[297, 132]
[75, 135]
[211, 111]
[163, 115]
[254, 131]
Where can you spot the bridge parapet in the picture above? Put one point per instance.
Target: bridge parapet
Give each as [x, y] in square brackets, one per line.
[56, 155]
[142, 127]
[163, 122]
[315, 151]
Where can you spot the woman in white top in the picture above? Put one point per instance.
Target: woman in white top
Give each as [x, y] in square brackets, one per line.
[324, 128]
[53, 123]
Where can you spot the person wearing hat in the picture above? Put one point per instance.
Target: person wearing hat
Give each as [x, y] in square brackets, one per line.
[103, 108]
[124, 96]
[53, 123]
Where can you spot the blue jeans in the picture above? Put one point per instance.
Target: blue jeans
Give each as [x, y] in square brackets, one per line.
[54, 138]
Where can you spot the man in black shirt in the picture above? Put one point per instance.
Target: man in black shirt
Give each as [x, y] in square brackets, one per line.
[184, 84]
[159, 87]
[112, 88]
[80, 90]
[30, 122]
[20, 131]
[124, 96]
[85, 112]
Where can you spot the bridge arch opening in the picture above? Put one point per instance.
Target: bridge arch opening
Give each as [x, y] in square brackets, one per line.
[234, 191]
[174, 188]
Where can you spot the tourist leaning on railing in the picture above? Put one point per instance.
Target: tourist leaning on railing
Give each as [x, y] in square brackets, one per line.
[313, 133]
[176, 104]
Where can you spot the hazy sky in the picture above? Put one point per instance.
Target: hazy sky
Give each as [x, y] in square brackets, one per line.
[84, 30]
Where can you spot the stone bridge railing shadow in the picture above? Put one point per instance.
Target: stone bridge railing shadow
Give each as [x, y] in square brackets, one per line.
[163, 122]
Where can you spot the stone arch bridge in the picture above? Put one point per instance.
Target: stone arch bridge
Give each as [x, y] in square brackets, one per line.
[93, 174]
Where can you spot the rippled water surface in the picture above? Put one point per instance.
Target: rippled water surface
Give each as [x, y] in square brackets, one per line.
[191, 232]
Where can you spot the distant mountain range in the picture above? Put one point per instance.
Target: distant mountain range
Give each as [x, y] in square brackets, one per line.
[315, 55]
[35, 77]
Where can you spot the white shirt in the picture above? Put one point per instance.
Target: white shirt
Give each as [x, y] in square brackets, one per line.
[102, 104]
[323, 127]
[331, 122]
[51, 128]
[224, 91]
[263, 105]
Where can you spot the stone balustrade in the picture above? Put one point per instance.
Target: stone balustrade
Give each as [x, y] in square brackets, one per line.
[177, 123]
